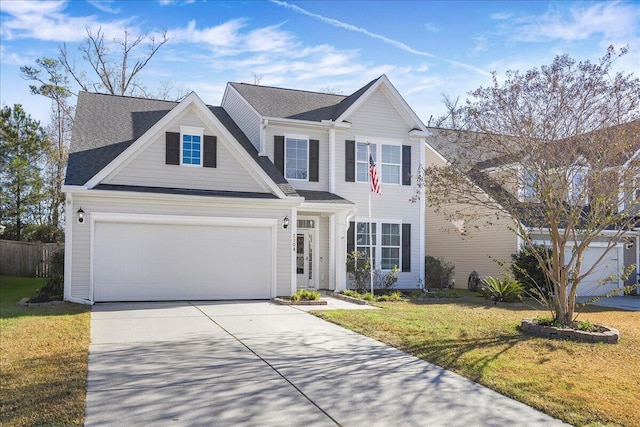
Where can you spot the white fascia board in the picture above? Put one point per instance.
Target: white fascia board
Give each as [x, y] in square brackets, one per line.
[73, 188]
[398, 98]
[325, 207]
[172, 198]
[325, 124]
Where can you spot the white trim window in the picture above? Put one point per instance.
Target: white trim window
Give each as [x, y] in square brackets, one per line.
[390, 248]
[391, 163]
[528, 186]
[388, 243]
[296, 157]
[362, 239]
[191, 145]
[362, 161]
[578, 186]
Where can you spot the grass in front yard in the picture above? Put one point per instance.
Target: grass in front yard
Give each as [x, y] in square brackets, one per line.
[580, 383]
[43, 358]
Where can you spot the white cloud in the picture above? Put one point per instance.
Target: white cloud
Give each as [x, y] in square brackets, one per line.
[47, 21]
[431, 27]
[499, 16]
[104, 5]
[394, 43]
[608, 20]
[481, 44]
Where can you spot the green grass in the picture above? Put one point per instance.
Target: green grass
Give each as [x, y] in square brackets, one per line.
[43, 358]
[580, 383]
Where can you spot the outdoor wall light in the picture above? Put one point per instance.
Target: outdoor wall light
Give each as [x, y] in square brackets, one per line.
[80, 215]
[285, 222]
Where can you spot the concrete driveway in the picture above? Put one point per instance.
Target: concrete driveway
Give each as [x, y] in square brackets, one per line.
[259, 364]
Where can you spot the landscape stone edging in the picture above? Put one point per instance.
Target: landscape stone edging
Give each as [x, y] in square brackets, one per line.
[24, 302]
[347, 298]
[282, 301]
[612, 336]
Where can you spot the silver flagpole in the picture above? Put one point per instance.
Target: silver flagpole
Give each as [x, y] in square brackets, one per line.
[370, 224]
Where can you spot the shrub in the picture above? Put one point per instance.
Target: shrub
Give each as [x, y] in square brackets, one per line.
[527, 271]
[395, 296]
[506, 289]
[368, 296]
[305, 295]
[386, 281]
[359, 270]
[53, 289]
[438, 272]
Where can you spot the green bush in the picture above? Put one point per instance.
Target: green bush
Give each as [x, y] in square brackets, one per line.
[527, 271]
[387, 281]
[359, 270]
[368, 296]
[395, 296]
[506, 289]
[306, 295]
[438, 273]
[53, 289]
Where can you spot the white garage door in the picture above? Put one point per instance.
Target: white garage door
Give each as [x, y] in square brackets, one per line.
[150, 262]
[605, 277]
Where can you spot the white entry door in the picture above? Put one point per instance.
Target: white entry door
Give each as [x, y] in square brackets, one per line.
[305, 259]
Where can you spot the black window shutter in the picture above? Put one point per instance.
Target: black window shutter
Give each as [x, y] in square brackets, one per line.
[351, 237]
[172, 148]
[314, 160]
[350, 161]
[406, 165]
[210, 151]
[406, 247]
[278, 152]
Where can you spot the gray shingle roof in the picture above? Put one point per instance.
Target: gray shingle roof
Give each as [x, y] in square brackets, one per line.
[105, 125]
[297, 104]
[322, 197]
[184, 191]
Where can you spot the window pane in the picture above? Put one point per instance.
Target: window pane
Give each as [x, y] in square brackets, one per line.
[391, 154]
[390, 258]
[362, 161]
[390, 174]
[296, 158]
[363, 172]
[390, 235]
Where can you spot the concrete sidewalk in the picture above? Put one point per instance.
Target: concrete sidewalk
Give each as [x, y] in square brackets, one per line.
[255, 363]
[623, 302]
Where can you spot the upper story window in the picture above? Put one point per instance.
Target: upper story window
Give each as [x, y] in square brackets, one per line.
[391, 163]
[362, 160]
[528, 187]
[577, 186]
[191, 145]
[296, 158]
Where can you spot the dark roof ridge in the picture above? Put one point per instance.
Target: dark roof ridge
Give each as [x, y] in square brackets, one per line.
[290, 89]
[129, 96]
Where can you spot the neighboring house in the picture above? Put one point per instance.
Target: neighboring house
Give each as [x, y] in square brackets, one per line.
[486, 245]
[250, 200]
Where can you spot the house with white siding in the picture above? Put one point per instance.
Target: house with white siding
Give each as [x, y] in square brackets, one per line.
[252, 199]
[486, 245]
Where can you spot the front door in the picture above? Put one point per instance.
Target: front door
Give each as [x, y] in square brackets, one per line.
[304, 259]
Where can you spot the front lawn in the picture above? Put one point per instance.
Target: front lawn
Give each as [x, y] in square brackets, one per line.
[43, 358]
[580, 383]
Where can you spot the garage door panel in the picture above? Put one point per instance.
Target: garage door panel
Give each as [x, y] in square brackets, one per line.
[135, 261]
[605, 276]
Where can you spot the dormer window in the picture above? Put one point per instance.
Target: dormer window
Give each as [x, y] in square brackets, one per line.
[577, 186]
[191, 145]
[528, 187]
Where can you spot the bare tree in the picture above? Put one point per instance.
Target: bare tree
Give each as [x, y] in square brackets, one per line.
[555, 149]
[450, 119]
[115, 73]
[53, 83]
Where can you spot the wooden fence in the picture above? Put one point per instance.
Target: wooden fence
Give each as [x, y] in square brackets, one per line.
[27, 259]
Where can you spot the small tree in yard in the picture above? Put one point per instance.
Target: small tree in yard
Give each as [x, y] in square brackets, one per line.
[553, 149]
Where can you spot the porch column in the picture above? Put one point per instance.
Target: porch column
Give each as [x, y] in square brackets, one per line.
[340, 264]
[332, 252]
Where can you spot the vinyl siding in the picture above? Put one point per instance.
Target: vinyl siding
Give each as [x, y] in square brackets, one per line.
[323, 162]
[81, 244]
[475, 251]
[148, 167]
[244, 116]
[378, 118]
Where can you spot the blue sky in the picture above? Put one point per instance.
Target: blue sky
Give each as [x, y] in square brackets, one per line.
[425, 48]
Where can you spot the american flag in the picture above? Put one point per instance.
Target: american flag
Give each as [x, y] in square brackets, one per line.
[373, 172]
